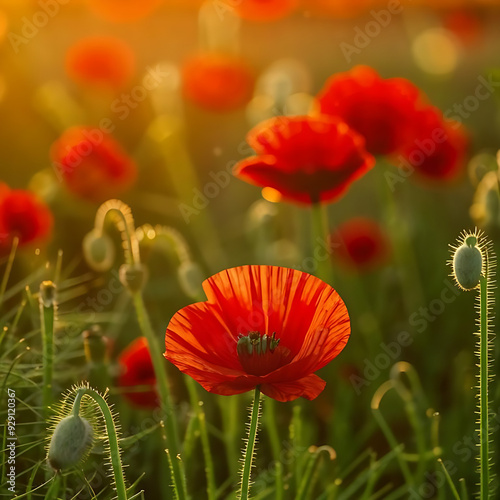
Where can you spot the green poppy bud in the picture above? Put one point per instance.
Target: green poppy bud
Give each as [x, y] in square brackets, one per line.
[70, 442]
[133, 277]
[468, 263]
[98, 250]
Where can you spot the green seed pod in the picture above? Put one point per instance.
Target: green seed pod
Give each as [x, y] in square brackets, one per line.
[70, 442]
[133, 277]
[98, 250]
[468, 264]
[190, 278]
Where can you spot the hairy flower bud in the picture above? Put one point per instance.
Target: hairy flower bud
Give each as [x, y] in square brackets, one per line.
[133, 277]
[468, 263]
[70, 442]
[98, 250]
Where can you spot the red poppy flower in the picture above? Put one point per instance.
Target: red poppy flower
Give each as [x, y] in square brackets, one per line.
[102, 61]
[23, 215]
[92, 164]
[439, 148]
[360, 243]
[261, 326]
[306, 159]
[123, 10]
[217, 82]
[137, 370]
[383, 111]
[265, 10]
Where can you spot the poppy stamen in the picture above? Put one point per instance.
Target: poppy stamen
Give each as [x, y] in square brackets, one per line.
[254, 342]
[259, 354]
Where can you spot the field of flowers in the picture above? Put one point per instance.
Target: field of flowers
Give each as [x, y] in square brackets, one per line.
[247, 249]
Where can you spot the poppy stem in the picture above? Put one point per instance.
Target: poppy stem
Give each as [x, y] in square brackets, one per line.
[320, 233]
[111, 431]
[173, 450]
[484, 460]
[250, 447]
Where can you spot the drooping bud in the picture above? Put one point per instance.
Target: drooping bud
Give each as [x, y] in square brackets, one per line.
[98, 250]
[467, 262]
[133, 277]
[70, 442]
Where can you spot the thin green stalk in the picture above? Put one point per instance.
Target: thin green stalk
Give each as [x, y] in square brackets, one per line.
[114, 449]
[200, 415]
[164, 393]
[8, 269]
[320, 231]
[449, 480]
[250, 447]
[483, 390]
[47, 313]
[463, 489]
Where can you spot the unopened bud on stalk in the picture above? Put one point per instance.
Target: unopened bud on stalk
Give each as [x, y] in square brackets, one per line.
[467, 262]
[133, 277]
[95, 345]
[98, 250]
[48, 291]
[70, 442]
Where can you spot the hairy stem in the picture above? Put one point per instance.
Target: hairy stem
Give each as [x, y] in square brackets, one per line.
[250, 447]
[484, 465]
[111, 431]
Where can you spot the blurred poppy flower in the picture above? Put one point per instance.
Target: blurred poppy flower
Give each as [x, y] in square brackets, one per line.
[382, 110]
[137, 370]
[261, 326]
[360, 243]
[23, 215]
[466, 25]
[101, 61]
[264, 10]
[123, 11]
[306, 159]
[439, 148]
[92, 164]
[218, 82]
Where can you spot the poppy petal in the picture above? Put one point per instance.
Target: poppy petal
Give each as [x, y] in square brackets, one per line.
[307, 387]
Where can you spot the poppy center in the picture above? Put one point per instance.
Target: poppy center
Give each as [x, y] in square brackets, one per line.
[261, 354]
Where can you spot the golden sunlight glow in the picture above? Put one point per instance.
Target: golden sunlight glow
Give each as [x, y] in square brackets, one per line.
[435, 51]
